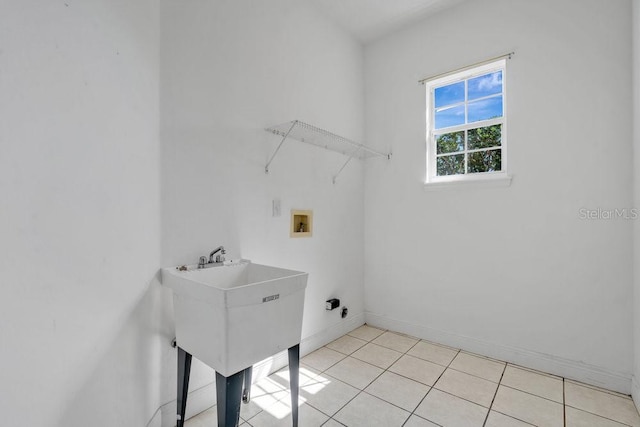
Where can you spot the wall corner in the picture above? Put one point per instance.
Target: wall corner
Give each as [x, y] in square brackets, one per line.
[635, 392]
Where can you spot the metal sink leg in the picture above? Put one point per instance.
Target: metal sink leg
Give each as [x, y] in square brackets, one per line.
[246, 392]
[228, 395]
[184, 369]
[294, 380]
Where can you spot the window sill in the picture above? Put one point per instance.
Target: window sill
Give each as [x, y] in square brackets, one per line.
[493, 182]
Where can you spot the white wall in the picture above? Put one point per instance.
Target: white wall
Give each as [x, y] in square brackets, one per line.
[84, 224]
[228, 70]
[510, 272]
[79, 218]
[636, 192]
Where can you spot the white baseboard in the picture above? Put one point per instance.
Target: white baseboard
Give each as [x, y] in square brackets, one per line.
[307, 345]
[326, 335]
[571, 369]
[635, 391]
[205, 397]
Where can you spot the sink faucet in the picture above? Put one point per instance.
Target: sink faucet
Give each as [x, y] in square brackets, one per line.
[219, 258]
[212, 262]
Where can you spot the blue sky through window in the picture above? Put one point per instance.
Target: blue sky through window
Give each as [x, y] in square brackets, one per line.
[451, 116]
[488, 84]
[478, 87]
[484, 109]
[450, 94]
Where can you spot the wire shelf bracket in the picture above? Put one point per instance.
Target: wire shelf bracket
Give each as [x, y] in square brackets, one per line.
[304, 132]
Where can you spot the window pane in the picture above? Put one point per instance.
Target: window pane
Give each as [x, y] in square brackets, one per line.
[485, 161]
[450, 142]
[488, 136]
[450, 165]
[489, 84]
[450, 116]
[450, 94]
[485, 109]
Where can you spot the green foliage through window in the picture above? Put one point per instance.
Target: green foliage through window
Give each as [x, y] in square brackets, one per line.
[481, 148]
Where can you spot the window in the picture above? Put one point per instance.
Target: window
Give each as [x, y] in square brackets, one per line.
[466, 125]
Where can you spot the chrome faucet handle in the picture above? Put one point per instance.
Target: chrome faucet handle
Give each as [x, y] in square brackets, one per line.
[202, 262]
[220, 257]
[217, 258]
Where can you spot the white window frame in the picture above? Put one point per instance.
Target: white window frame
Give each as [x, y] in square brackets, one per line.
[492, 178]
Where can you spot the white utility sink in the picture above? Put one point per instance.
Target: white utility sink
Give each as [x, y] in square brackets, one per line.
[234, 315]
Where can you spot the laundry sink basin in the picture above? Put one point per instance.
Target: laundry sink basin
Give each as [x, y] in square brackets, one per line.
[234, 315]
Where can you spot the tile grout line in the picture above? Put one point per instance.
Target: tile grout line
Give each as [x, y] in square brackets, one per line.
[499, 384]
[432, 386]
[319, 373]
[322, 372]
[332, 419]
[411, 379]
[600, 389]
[584, 410]
[321, 411]
[328, 415]
[379, 375]
[533, 394]
[386, 348]
[515, 418]
[599, 416]
[359, 390]
[534, 371]
[494, 395]
[457, 353]
[343, 406]
[386, 401]
[463, 398]
[475, 376]
[342, 352]
[448, 366]
[330, 366]
[431, 361]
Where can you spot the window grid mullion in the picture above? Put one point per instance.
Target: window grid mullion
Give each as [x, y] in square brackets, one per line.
[466, 101]
[466, 122]
[476, 150]
[465, 127]
[483, 98]
[473, 125]
[466, 149]
[446, 107]
[479, 150]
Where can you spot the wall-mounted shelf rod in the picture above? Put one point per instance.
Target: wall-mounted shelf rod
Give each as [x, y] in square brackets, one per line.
[335, 177]
[304, 132]
[284, 137]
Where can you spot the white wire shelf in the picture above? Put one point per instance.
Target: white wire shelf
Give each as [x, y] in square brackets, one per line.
[304, 132]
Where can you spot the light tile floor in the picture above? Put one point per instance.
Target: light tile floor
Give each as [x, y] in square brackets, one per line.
[371, 377]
